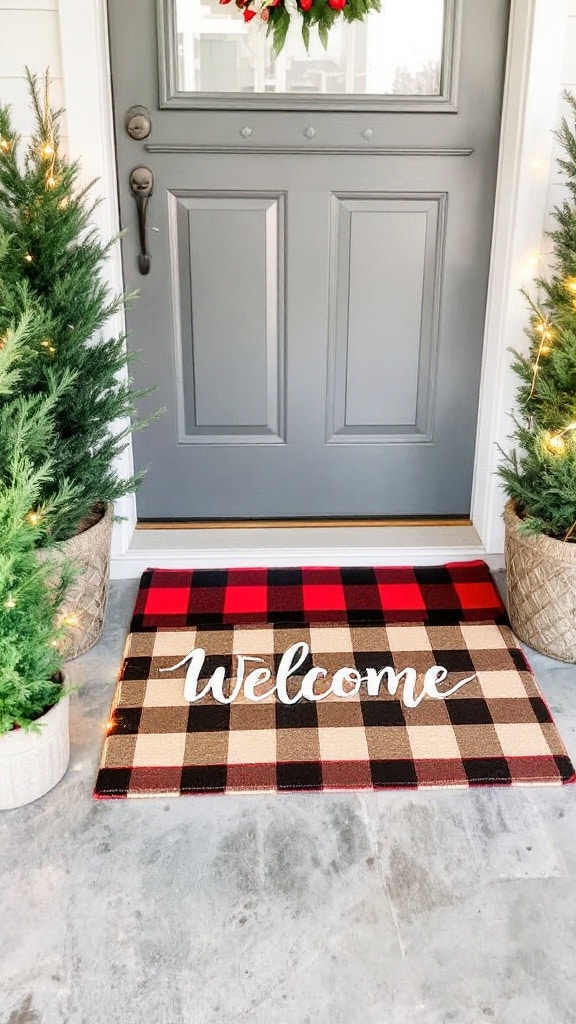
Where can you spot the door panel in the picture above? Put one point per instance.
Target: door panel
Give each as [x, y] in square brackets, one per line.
[230, 352]
[314, 312]
[383, 331]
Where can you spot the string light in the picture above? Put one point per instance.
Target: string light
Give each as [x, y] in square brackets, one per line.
[10, 603]
[543, 328]
[28, 257]
[51, 181]
[5, 145]
[34, 518]
[64, 203]
[47, 150]
[70, 620]
[570, 284]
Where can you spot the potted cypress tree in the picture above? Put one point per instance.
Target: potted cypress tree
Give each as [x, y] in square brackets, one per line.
[539, 475]
[34, 739]
[54, 261]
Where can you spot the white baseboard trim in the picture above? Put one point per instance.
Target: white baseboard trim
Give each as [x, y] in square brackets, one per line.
[218, 549]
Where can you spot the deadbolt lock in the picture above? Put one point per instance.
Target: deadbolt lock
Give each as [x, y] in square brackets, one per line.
[138, 123]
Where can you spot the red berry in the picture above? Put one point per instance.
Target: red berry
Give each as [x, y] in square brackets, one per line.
[248, 14]
[305, 5]
[337, 5]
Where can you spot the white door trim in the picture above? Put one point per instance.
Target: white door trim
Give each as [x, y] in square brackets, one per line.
[530, 104]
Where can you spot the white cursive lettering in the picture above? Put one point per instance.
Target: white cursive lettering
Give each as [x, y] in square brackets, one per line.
[292, 660]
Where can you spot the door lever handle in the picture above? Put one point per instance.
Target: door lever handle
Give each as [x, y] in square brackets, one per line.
[142, 187]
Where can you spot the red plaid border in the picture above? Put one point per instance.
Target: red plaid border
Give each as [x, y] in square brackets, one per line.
[436, 595]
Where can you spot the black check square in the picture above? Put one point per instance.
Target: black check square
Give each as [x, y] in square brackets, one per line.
[208, 718]
[136, 668]
[382, 712]
[299, 775]
[469, 711]
[302, 715]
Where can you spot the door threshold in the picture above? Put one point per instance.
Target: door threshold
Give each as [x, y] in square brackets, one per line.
[298, 524]
[237, 547]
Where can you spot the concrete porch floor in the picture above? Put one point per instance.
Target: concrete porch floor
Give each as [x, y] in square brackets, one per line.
[385, 908]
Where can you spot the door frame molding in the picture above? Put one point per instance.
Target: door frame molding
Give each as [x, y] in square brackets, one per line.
[529, 115]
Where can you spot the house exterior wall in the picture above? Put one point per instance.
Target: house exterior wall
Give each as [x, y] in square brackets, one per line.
[54, 33]
[556, 187]
[30, 35]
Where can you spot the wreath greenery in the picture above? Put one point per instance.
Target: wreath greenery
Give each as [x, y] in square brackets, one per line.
[314, 13]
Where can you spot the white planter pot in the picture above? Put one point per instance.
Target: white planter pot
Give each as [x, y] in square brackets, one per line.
[31, 763]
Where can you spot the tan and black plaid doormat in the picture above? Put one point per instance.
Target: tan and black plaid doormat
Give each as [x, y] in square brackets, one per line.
[312, 679]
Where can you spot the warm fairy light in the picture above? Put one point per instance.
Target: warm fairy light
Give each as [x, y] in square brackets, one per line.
[64, 203]
[570, 284]
[46, 343]
[10, 604]
[70, 620]
[556, 444]
[5, 146]
[34, 518]
[28, 258]
[51, 181]
[47, 150]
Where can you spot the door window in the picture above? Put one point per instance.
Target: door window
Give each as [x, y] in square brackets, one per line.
[402, 54]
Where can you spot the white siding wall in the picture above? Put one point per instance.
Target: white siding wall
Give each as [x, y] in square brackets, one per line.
[29, 35]
[556, 188]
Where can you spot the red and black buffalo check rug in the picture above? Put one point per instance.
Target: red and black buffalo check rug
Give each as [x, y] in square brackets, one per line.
[334, 678]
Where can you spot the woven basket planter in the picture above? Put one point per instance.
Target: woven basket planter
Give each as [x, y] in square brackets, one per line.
[84, 602]
[541, 575]
[32, 763]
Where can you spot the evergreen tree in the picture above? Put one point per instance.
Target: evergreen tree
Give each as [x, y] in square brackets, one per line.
[541, 476]
[31, 588]
[52, 265]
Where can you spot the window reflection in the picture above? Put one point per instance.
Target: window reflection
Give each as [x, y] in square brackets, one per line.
[395, 52]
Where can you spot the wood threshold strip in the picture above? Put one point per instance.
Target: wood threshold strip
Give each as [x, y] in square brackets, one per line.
[294, 524]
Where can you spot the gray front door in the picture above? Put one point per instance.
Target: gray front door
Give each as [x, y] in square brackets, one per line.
[319, 239]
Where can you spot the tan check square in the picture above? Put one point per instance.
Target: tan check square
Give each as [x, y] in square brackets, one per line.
[343, 744]
[257, 746]
[433, 741]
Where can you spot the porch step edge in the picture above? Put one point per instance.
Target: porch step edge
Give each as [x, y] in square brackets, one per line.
[212, 549]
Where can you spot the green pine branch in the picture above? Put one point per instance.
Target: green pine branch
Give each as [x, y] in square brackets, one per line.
[51, 262]
[539, 474]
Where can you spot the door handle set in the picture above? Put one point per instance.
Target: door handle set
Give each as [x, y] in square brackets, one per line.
[142, 187]
[138, 126]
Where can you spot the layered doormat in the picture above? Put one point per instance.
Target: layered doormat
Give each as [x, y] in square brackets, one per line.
[324, 679]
